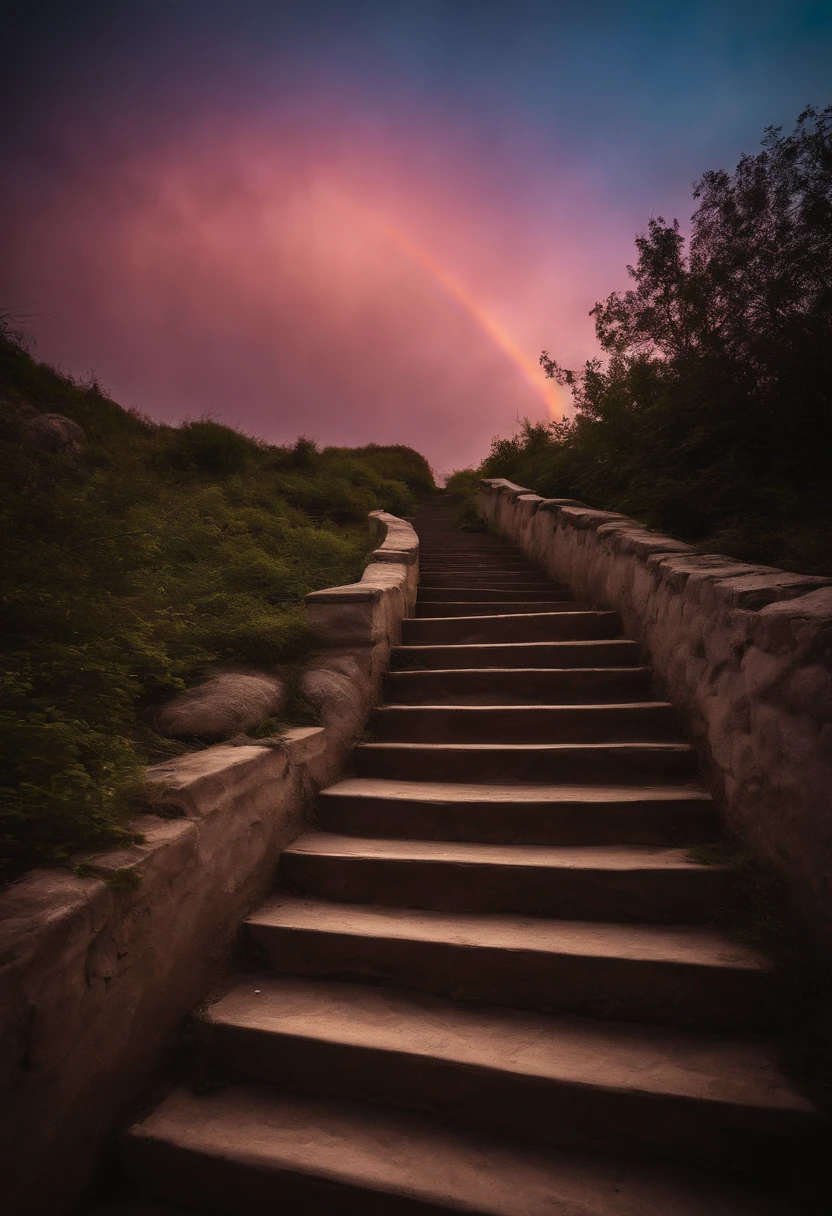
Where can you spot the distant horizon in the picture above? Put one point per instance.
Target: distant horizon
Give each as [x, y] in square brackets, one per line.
[365, 235]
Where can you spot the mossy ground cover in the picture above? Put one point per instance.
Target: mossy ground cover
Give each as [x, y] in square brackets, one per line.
[132, 568]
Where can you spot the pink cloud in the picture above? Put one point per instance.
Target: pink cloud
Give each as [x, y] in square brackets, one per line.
[243, 270]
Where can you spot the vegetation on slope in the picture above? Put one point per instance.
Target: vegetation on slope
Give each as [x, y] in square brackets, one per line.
[132, 567]
[710, 415]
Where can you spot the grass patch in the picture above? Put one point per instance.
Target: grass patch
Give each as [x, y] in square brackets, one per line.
[131, 569]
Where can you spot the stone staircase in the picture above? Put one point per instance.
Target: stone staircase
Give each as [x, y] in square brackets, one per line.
[494, 984]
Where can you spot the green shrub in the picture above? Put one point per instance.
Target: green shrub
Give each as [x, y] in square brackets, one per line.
[394, 462]
[463, 487]
[207, 447]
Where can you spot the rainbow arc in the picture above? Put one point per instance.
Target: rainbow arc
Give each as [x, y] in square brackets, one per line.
[551, 393]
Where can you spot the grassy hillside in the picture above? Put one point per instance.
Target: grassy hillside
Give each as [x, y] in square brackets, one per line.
[135, 565]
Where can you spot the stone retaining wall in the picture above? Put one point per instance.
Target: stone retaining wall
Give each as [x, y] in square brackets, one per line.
[94, 980]
[743, 651]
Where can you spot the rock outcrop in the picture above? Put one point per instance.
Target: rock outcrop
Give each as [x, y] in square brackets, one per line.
[229, 703]
[54, 433]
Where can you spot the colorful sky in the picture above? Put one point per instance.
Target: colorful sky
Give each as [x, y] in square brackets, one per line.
[361, 220]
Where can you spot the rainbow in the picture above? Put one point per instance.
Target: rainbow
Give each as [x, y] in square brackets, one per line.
[550, 392]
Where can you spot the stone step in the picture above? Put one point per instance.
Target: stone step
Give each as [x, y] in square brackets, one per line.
[549, 1080]
[682, 976]
[521, 814]
[439, 595]
[523, 686]
[446, 608]
[449, 541]
[131, 1204]
[647, 721]
[508, 763]
[508, 582]
[633, 883]
[477, 571]
[441, 556]
[600, 652]
[476, 564]
[443, 549]
[251, 1148]
[490, 630]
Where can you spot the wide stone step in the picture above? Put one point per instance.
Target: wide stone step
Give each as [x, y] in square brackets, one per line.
[540, 1078]
[447, 608]
[519, 814]
[534, 627]
[466, 572]
[601, 652]
[508, 582]
[636, 883]
[444, 548]
[639, 763]
[432, 555]
[129, 1203]
[524, 686]
[497, 595]
[251, 1148]
[646, 720]
[683, 976]
[458, 562]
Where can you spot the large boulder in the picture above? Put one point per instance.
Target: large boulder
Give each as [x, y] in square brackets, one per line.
[227, 704]
[53, 433]
[341, 695]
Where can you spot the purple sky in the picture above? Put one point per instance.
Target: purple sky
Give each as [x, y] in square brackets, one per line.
[363, 221]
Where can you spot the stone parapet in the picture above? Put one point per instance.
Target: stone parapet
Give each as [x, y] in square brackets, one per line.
[743, 651]
[98, 971]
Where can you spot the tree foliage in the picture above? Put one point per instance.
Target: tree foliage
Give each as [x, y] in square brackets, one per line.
[710, 411]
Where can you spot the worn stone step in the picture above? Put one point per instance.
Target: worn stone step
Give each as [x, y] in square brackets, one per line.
[466, 572]
[486, 561]
[647, 720]
[539, 1078]
[533, 627]
[534, 581]
[446, 608]
[521, 686]
[637, 883]
[639, 763]
[252, 1148]
[132, 1205]
[480, 557]
[129, 1203]
[444, 547]
[497, 595]
[601, 652]
[521, 814]
[682, 976]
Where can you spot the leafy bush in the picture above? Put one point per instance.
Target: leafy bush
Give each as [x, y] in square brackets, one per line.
[394, 462]
[463, 485]
[712, 414]
[207, 447]
[131, 569]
